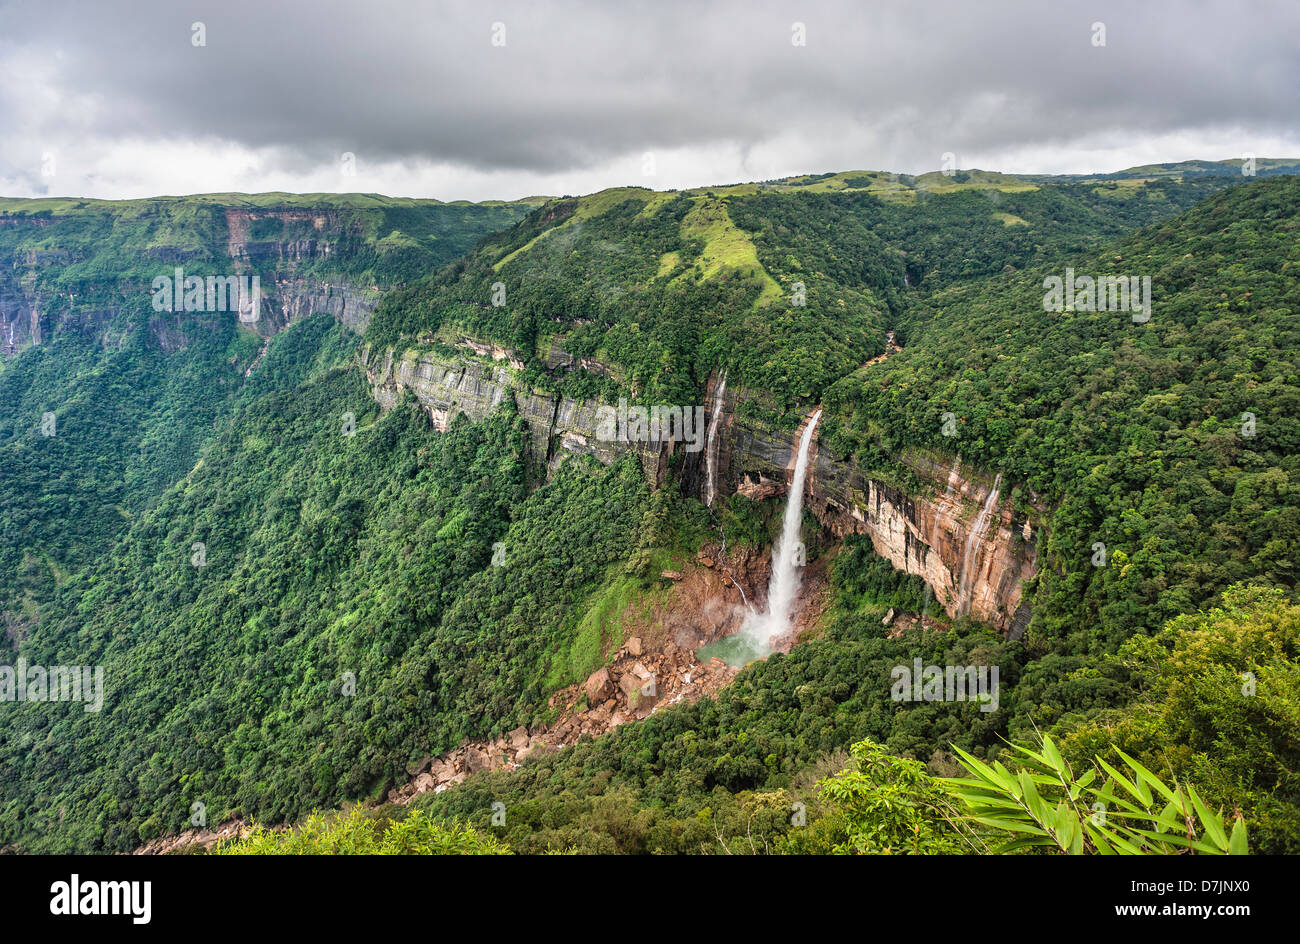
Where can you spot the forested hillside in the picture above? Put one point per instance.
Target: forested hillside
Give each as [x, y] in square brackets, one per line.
[1174, 442]
[786, 288]
[1133, 432]
[123, 425]
[324, 553]
[371, 591]
[106, 399]
[99, 244]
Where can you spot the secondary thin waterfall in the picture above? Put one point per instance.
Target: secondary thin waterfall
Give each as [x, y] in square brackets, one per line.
[711, 445]
[760, 628]
[972, 539]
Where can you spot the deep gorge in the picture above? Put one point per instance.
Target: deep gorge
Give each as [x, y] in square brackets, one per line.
[925, 533]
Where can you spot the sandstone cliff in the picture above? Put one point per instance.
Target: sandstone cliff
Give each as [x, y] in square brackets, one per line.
[475, 383]
[81, 266]
[954, 524]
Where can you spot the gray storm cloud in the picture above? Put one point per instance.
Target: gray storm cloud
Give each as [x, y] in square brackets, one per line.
[578, 91]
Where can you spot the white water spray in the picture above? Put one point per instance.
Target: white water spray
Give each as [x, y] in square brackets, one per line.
[711, 446]
[972, 539]
[761, 628]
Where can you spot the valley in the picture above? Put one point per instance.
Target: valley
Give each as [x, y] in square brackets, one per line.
[433, 581]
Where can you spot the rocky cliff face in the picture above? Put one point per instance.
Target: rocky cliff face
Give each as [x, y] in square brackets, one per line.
[476, 383]
[21, 302]
[954, 525]
[962, 535]
[294, 297]
[33, 305]
[290, 294]
[958, 523]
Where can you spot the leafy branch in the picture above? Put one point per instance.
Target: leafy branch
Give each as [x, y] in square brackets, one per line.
[1043, 805]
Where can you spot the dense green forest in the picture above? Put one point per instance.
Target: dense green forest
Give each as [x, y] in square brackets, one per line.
[665, 288]
[324, 552]
[123, 425]
[1139, 435]
[117, 402]
[295, 594]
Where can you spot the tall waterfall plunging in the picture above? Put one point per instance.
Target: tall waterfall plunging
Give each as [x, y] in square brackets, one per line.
[972, 539]
[759, 629]
[711, 445]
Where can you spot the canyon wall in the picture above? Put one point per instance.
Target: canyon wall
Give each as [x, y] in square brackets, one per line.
[935, 531]
[80, 268]
[475, 383]
[289, 294]
[939, 533]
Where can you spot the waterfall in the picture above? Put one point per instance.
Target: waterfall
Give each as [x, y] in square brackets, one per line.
[711, 475]
[722, 556]
[711, 446]
[972, 539]
[760, 628]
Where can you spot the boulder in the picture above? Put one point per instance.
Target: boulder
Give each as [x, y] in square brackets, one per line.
[757, 487]
[598, 687]
[631, 686]
[443, 771]
[477, 760]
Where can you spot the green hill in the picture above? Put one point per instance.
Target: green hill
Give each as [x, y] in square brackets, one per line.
[346, 620]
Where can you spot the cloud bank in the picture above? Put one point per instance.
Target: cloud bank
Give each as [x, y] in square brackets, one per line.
[468, 101]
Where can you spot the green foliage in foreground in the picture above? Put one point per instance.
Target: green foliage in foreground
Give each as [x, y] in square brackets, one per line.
[880, 804]
[1044, 805]
[884, 805]
[355, 833]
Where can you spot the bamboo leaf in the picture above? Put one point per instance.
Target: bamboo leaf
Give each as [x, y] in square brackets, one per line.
[1053, 756]
[1031, 797]
[1146, 775]
[1117, 777]
[1212, 822]
[1011, 825]
[1237, 841]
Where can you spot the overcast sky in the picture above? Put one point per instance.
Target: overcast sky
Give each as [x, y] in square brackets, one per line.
[502, 100]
